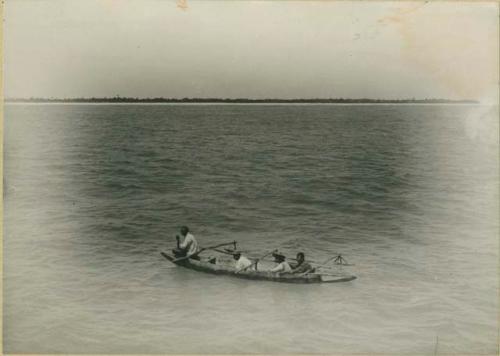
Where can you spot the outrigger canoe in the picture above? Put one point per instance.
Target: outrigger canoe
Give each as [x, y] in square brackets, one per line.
[221, 269]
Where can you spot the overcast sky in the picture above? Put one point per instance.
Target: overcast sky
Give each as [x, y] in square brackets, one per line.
[253, 49]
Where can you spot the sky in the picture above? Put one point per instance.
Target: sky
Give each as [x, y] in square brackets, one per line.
[251, 49]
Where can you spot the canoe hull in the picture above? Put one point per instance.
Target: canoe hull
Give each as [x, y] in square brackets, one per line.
[207, 267]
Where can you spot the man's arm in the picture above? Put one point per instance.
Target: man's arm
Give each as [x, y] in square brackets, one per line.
[304, 268]
[278, 268]
[243, 265]
[186, 243]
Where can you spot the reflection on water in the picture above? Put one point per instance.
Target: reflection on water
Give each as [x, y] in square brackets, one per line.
[407, 193]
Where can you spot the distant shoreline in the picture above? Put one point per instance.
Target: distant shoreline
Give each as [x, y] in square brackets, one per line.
[125, 100]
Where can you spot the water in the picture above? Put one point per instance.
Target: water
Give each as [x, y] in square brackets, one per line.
[409, 194]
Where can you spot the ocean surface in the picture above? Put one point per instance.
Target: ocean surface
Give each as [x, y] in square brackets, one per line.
[406, 193]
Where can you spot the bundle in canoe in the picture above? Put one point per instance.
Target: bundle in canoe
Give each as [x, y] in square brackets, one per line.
[229, 270]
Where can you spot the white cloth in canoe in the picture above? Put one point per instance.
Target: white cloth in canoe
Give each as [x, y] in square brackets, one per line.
[190, 244]
[283, 267]
[242, 263]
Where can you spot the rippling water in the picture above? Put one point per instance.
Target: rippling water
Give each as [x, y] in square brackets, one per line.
[409, 194]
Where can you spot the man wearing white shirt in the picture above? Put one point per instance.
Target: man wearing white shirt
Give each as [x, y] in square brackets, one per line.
[283, 266]
[189, 246]
[242, 263]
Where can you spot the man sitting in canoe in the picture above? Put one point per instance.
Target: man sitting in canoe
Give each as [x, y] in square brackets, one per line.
[242, 263]
[302, 266]
[188, 247]
[283, 266]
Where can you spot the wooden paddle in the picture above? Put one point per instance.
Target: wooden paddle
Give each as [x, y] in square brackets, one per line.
[203, 249]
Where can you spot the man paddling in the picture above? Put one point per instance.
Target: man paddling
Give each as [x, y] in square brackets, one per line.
[302, 266]
[242, 263]
[188, 247]
[283, 266]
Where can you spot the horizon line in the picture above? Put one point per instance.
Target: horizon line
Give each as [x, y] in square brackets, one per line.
[120, 99]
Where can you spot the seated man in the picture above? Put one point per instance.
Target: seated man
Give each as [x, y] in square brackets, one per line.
[283, 266]
[188, 247]
[242, 263]
[302, 266]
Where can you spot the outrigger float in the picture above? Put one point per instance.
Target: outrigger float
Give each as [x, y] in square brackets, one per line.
[208, 266]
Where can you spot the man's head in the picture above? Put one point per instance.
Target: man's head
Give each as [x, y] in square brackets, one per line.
[300, 257]
[184, 230]
[236, 256]
[279, 258]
